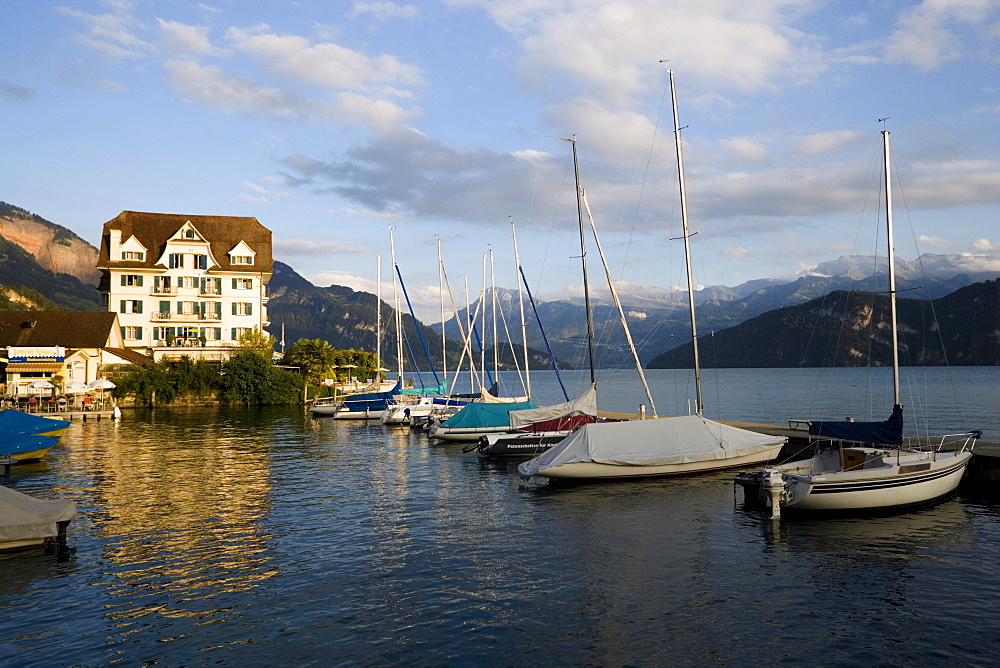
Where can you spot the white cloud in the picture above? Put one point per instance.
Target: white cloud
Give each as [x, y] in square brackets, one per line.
[926, 36]
[934, 242]
[182, 38]
[829, 142]
[113, 35]
[746, 149]
[312, 247]
[329, 65]
[986, 245]
[384, 10]
[735, 251]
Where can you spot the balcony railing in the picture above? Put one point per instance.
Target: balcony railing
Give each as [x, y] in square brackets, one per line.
[164, 290]
[185, 317]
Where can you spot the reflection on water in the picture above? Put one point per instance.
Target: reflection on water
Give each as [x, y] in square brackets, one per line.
[268, 537]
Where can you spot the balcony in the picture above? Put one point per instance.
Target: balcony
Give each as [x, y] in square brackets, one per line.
[164, 290]
[185, 317]
[210, 291]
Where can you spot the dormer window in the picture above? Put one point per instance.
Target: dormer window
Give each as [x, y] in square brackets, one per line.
[133, 251]
[241, 253]
[188, 233]
[133, 255]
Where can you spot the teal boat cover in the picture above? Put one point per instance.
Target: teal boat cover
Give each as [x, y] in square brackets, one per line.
[485, 415]
[442, 388]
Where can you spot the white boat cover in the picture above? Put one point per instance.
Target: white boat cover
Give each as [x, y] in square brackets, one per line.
[657, 442]
[23, 517]
[585, 404]
[488, 398]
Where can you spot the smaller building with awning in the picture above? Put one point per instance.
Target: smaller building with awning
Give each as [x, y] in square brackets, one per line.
[60, 347]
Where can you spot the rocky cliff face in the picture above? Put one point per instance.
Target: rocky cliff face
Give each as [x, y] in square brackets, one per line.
[54, 247]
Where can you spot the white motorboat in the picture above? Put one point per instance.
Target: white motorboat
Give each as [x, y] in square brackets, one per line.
[26, 521]
[865, 465]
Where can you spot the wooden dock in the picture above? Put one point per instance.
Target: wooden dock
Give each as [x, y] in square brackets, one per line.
[79, 415]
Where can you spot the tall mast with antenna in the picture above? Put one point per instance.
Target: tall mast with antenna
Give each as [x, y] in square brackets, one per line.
[699, 405]
[583, 259]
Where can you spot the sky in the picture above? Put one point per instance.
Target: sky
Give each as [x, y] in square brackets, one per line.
[334, 122]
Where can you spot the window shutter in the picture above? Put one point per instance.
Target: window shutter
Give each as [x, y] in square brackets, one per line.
[234, 306]
[123, 331]
[180, 308]
[123, 280]
[234, 334]
[234, 284]
[139, 281]
[164, 307]
[249, 309]
[138, 333]
[218, 333]
[138, 306]
[122, 309]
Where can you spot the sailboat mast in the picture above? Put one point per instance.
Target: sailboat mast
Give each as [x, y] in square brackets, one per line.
[520, 301]
[583, 259]
[395, 306]
[699, 405]
[378, 319]
[444, 347]
[892, 270]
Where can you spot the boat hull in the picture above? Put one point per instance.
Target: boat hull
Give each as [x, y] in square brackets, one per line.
[512, 445]
[596, 471]
[889, 489]
[465, 433]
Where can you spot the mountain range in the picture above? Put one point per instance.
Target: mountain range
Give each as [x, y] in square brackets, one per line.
[47, 266]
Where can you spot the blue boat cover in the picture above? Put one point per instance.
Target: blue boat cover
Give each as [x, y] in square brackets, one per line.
[440, 388]
[14, 443]
[28, 424]
[889, 432]
[485, 415]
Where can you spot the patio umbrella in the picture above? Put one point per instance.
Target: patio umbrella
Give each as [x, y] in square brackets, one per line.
[102, 384]
[40, 385]
[76, 387]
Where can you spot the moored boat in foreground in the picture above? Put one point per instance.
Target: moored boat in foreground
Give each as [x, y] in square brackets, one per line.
[865, 466]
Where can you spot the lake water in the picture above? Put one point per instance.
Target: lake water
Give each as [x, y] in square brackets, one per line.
[265, 537]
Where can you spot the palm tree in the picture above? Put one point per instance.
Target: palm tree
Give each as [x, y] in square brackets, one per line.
[316, 357]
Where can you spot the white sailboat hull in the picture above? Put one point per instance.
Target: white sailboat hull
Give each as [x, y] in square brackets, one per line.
[917, 478]
[598, 471]
[465, 433]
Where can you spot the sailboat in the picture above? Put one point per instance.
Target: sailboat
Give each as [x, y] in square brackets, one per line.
[662, 446]
[865, 465]
[535, 430]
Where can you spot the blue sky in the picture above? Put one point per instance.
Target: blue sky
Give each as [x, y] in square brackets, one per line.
[331, 122]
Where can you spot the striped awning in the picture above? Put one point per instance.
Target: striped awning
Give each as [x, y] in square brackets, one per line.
[27, 367]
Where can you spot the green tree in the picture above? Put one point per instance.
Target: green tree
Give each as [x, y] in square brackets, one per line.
[316, 357]
[250, 378]
[258, 340]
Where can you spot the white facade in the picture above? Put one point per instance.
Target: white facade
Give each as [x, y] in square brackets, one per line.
[192, 290]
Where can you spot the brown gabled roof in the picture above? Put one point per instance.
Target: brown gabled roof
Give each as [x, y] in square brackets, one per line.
[70, 329]
[132, 356]
[223, 233]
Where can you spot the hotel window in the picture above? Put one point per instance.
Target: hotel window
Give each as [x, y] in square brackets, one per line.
[201, 262]
[186, 308]
[105, 299]
[213, 333]
[242, 308]
[131, 306]
[175, 260]
[240, 332]
[131, 281]
[133, 255]
[243, 284]
[241, 259]
[132, 333]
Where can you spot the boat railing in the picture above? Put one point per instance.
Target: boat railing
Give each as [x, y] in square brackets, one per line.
[966, 439]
